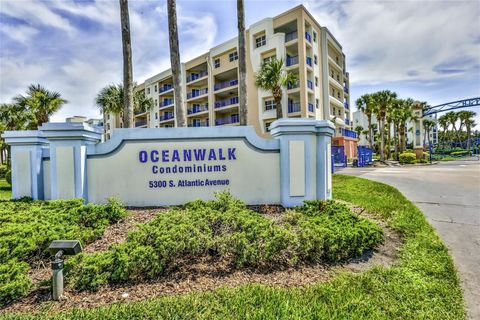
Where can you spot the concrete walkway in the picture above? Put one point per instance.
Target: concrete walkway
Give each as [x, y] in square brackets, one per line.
[449, 195]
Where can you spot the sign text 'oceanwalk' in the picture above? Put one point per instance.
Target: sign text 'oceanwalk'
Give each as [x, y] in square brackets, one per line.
[199, 160]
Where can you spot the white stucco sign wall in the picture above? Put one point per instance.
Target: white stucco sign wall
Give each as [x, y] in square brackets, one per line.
[158, 167]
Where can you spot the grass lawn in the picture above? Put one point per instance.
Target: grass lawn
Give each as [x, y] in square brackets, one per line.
[422, 285]
[5, 190]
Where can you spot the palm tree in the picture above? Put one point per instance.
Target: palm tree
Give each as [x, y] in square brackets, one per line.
[452, 117]
[110, 100]
[175, 62]
[242, 63]
[41, 102]
[272, 77]
[365, 105]
[463, 116]
[428, 124]
[358, 130]
[14, 117]
[444, 122]
[127, 66]
[469, 124]
[383, 100]
[405, 113]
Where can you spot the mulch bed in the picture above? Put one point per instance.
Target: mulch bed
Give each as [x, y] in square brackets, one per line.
[201, 275]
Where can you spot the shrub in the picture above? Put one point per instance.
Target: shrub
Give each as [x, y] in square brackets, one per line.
[8, 176]
[460, 153]
[407, 157]
[28, 227]
[225, 229]
[3, 170]
[420, 161]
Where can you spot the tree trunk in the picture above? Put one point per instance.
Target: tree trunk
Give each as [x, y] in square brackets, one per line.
[424, 136]
[127, 66]
[242, 63]
[175, 62]
[382, 137]
[370, 131]
[389, 139]
[277, 96]
[395, 140]
[468, 138]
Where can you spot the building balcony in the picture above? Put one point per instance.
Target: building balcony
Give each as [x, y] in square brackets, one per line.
[166, 116]
[166, 87]
[335, 101]
[349, 133]
[198, 108]
[291, 36]
[347, 121]
[197, 93]
[308, 37]
[198, 124]
[345, 89]
[196, 76]
[347, 106]
[309, 61]
[335, 82]
[291, 61]
[311, 108]
[233, 119]
[293, 86]
[294, 107]
[310, 84]
[166, 103]
[225, 84]
[227, 102]
[140, 123]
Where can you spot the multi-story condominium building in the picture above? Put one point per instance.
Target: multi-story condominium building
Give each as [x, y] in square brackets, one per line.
[210, 81]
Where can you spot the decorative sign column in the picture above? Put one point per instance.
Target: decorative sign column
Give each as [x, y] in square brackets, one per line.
[418, 131]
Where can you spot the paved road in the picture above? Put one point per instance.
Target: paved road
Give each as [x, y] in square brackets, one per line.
[449, 195]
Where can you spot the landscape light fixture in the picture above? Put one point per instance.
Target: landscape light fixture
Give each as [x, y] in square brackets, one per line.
[60, 248]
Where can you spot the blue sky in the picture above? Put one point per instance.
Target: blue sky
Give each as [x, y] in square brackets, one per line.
[427, 50]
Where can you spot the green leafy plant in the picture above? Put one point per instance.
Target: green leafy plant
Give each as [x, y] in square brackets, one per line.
[407, 158]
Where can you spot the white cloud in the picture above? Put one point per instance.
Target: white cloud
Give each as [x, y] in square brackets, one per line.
[19, 33]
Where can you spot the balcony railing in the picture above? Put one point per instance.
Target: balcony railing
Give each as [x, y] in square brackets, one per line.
[294, 107]
[195, 76]
[310, 107]
[198, 108]
[347, 106]
[293, 86]
[197, 93]
[234, 118]
[166, 87]
[291, 36]
[345, 89]
[292, 61]
[349, 133]
[310, 84]
[198, 124]
[226, 102]
[140, 123]
[166, 116]
[309, 61]
[347, 121]
[225, 84]
[166, 102]
[308, 37]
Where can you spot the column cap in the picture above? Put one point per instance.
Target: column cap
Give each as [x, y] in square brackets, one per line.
[71, 131]
[24, 138]
[301, 126]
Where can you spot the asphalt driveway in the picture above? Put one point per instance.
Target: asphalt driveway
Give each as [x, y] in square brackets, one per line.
[449, 195]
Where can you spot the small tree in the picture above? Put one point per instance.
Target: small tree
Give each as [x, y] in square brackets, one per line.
[242, 63]
[272, 77]
[127, 66]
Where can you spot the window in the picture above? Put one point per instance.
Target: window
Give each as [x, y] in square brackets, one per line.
[267, 59]
[339, 112]
[267, 126]
[156, 102]
[155, 88]
[260, 41]
[314, 36]
[317, 103]
[270, 105]
[316, 81]
[338, 95]
[216, 63]
[148, 90]
[338, 78]
[315, 59]
[233, 56]
[156, 115]
[108, 126]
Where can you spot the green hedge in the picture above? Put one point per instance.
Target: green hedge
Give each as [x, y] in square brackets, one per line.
[27, 228]
[3, 170]
[226, 229]
[460, 153]
[407, 158]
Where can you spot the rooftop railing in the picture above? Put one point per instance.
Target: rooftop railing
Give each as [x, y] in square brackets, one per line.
[225, 84]
[294, 107]
[234, 118]
[197, 93]
[166, 87]
[166, 102]
[195, 76]
[291, 36]
[292, 61]
[198, 108]
[226, 102]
